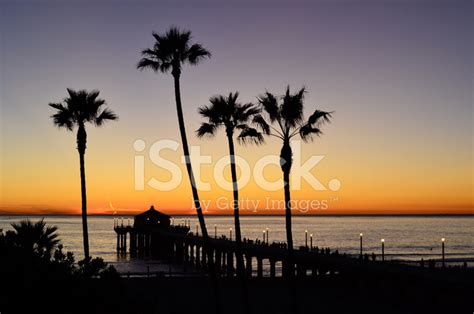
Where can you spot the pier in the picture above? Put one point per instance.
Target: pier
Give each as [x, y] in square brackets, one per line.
[153, 235]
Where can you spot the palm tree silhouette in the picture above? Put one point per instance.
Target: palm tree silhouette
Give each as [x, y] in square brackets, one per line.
[79, 108]
[228, 113]
[287, 116]
[36, 237]
[169, 53]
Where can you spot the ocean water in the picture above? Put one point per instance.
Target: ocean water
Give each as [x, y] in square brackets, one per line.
[407, 238]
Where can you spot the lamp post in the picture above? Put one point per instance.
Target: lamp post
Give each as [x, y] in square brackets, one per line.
[360, 238]
[311, 241]
[197, 230]
[383, 249]
[215, 231]
[263, 233]
[306, 238]
[230, 234]
[122, 222]
[442, 250]
[267, 234]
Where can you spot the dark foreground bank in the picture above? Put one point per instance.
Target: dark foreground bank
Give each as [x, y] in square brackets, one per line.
[438, 293]
[36, 276]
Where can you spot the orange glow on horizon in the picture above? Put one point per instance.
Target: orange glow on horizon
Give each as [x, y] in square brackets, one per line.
[370, 188]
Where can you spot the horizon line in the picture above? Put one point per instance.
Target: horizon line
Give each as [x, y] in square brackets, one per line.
[250, 215]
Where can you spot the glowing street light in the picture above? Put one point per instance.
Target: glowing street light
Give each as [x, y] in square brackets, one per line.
[360, 238]
[230, 233]
[442, 250]
[311, 241]
[383, 249]
[306, 238]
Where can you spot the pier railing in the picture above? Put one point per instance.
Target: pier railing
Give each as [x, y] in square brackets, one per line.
[177, 244]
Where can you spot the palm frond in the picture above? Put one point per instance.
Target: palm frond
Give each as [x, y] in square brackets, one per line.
[242, 126]
[91, 97]
[146, 63]
[232, 98]
[195, 54]
[105, 115]
[227, 111]
[307, 132]
[58, 106]
[36, 237]
[269, 104]
[177, 38]
[63, 118]
[165, 67]
[206, 129]
[157, 37]
[150, 54]
[292, 107]
[215, 113]
[261, 123]
[171, 50]
[243, 113]
[72, 93]
[81, 106]
[320, 117]
[250, 136]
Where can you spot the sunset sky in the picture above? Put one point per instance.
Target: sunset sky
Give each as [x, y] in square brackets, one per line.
[398, 75]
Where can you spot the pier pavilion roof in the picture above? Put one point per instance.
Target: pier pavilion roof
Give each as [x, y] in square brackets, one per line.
[152, 217]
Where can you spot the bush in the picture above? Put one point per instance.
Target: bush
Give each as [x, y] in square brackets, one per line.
[33, 252]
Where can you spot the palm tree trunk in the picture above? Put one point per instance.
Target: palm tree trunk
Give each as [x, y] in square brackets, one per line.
[197, 203]
[81, 147]
[189, 168]
[289, 234]
[289, 238]
[238, 235]
[286, 156]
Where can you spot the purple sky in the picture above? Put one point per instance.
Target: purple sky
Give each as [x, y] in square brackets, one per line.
[398, 73]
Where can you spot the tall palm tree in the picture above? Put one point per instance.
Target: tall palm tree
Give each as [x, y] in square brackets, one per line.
[169, 53]
[36, 237]
[287, 116]
[79, 108]
[228, 113]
